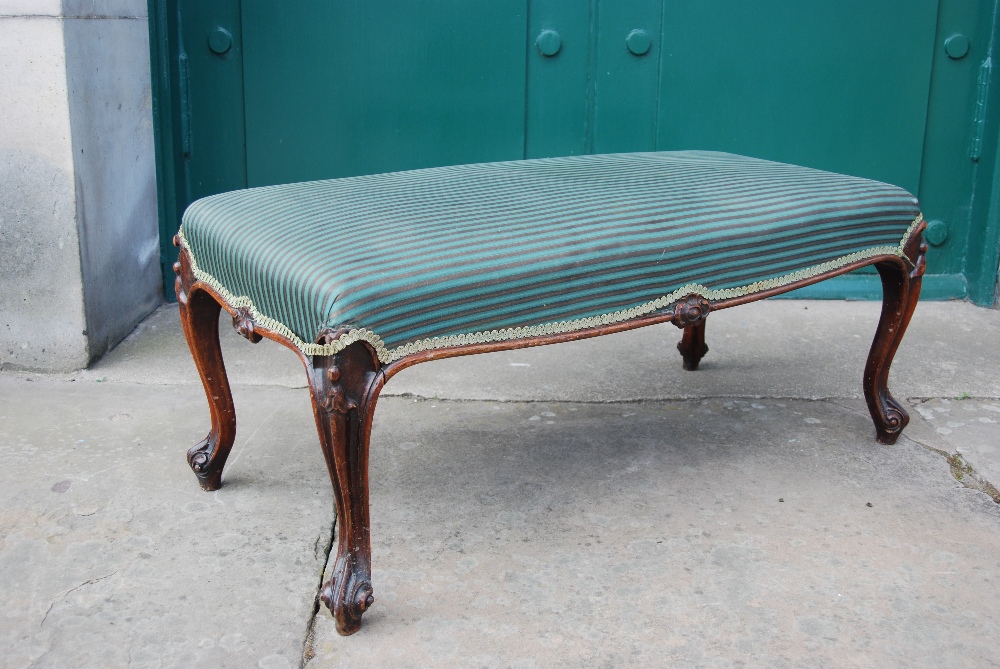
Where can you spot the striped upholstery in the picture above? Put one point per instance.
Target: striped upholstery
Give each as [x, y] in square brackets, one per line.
[453, 255]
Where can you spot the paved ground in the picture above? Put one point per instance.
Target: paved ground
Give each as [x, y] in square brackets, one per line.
[586, 504]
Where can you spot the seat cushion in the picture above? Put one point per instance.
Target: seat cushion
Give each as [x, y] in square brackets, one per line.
[471, 253]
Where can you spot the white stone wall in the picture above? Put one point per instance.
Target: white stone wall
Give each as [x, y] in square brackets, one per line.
[107, 66]
[42, 322]
[79, 251]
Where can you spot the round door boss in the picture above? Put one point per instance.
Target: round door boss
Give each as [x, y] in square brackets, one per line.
[548, 43]
[638, 42]
[956, 46]
[936, 233]
[220, 40]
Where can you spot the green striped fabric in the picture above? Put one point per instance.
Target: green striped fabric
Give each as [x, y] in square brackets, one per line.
[429, 257]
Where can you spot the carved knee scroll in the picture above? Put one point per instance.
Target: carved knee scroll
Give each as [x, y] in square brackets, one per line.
[900, 292]
[199, 313]
[244, 325]
[690, 314]
[344, 390]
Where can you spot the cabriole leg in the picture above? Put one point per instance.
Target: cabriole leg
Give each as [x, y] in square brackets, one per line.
[344, 390]
[692, 346]
[900, 291]
[200, 318]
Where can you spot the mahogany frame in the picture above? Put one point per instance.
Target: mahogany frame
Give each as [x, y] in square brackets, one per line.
[345, 388]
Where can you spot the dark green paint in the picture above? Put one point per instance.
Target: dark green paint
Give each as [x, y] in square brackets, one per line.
[557, 92]
[170, 198]
[363, 86]
[984, 227]
[947, 184]
[216, 160]
[309, 89]
[626, 86]
[839, 86]
[197, 109]
[955, 188]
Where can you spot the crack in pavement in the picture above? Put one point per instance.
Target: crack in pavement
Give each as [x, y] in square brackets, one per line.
[308, 653]
[961, 470]
[62, 595]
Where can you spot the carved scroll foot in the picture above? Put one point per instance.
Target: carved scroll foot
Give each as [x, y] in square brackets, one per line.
[205, 467]
[344, 389]
[692, 346]
[348, 594]
[891, 420]
[900, 291]
[200, 318]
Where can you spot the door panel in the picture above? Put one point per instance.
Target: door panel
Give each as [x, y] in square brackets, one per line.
[558, 84]
[626, 83]
[211, 86]
[840, 85]
[946, 187]
[345, 87]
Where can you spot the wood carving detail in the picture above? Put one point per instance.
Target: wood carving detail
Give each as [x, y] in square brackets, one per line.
[179, 287]
[200, 454]
[920, 266]
[915, 245]
[348, 595]
[336, 400]
[690, 311]
[244, 325]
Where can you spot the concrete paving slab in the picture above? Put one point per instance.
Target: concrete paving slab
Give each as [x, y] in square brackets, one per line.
[700, 533]
[540, 534]
[971, 427]
[110, 554]
[157, 353]
[773, 348]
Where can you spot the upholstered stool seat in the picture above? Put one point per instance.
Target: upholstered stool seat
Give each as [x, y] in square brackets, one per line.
[456, 255]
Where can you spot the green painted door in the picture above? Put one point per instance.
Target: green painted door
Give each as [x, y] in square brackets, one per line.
[261, 92]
